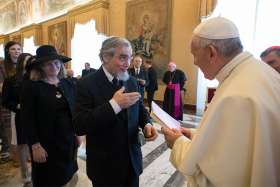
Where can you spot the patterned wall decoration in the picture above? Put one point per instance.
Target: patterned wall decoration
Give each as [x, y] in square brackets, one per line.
[8, 17]
[148, 29]
[55, 5]
[58, 37]
[17, 13]
[24, 11]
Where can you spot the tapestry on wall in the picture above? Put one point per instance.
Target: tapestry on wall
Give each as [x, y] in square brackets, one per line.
[58, 37]
[148, 30]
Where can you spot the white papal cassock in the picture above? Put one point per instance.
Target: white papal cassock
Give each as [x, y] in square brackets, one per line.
[238, 141]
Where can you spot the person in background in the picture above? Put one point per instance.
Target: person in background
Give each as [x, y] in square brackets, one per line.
[46, 110]
[109, 112]
[12, 50]
[4, 154]
[237, 141]
[11, 100]
[175, 80]
[140, 74]
[2, 72]
[87, 69]
[70, 76]
[153, 84]
[271, 56]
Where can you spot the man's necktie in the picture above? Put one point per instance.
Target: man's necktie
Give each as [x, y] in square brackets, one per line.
[115, 82]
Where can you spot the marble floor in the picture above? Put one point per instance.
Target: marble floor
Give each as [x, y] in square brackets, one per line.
[158, 171]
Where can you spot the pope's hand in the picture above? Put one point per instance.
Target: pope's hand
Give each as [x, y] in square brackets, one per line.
[170, 135]
[125, 100]
[186, 132]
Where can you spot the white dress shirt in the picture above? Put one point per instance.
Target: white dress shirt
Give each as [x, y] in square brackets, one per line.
[113, 103]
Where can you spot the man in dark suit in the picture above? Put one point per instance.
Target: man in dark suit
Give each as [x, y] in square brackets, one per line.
[153, 84]
[70, 76]
[87, 69]
[140, 74]
[109, 112]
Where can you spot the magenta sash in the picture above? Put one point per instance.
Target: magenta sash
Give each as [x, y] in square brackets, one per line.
[177, 98]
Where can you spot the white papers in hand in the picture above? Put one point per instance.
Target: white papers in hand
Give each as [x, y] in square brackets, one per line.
[165, 118]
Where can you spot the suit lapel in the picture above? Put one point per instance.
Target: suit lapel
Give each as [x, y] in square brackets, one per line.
[127, 90]
[106, 88]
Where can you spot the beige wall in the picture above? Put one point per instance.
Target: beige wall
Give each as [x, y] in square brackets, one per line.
[185, 16]
[184, 19]
[117, 17]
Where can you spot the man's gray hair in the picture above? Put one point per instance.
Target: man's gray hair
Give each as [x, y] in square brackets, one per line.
[109, 45]
[226, 47]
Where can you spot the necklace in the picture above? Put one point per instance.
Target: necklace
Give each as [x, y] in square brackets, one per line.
[172, 74]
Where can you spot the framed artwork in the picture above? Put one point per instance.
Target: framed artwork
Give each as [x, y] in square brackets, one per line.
[148, 30]
[58, 37]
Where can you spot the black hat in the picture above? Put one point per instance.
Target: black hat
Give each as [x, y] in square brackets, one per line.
[48, 52]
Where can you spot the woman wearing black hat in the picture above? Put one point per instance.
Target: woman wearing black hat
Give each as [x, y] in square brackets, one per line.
[47, 111]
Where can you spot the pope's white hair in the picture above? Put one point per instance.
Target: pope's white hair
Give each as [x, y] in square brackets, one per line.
[226, 47]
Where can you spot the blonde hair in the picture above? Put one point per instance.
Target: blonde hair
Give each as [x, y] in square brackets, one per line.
[41, 74]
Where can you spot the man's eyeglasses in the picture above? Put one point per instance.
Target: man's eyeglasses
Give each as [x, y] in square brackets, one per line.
[124, 57]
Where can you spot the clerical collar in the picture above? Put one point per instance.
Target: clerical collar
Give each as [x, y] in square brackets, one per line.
[227, 69]
[109, 76]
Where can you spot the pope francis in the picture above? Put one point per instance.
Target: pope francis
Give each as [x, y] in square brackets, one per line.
[237, 143]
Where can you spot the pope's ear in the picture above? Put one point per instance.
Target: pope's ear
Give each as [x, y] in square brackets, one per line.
[213, 53]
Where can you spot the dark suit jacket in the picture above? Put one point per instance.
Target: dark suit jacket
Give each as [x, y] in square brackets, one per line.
[10, 93]
[73, 80]
[112, 140]
[85, 72]
[142, 75]
[153, 84]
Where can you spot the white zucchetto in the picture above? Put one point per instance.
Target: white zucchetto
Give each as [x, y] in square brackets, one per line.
[216, 28]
